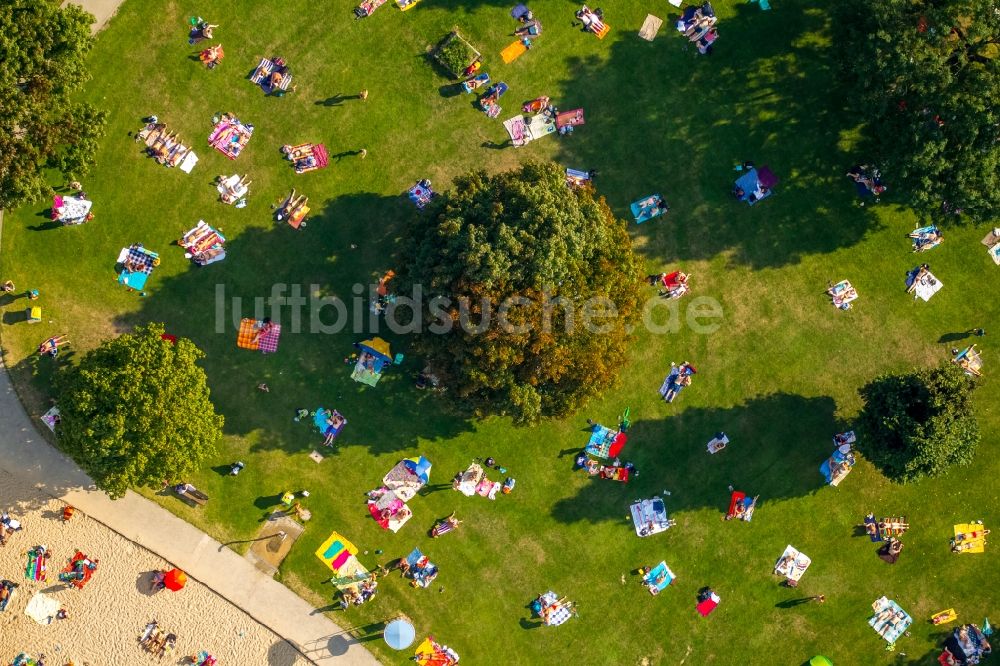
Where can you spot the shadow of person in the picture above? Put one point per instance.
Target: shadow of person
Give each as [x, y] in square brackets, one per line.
[529, 624]
[955, 337]
[792, 603]
[335, 100]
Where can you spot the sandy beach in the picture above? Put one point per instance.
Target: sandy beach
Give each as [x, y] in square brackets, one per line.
[106, 618]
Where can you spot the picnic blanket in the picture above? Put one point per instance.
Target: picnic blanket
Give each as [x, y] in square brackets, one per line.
[841, 455]
[577, 178]
[970, 361]
[422, 570]
[741, 506]
[756, 185]
[843, 294]
[336, 551]
[553, 612]
[969, 538]
[513, 51]
[51, 418]
[320, 418]
[262, 76]
[889, 620]
[570, 118]
[925, 238]
[421, 193]
[187, 164]
[541, 125]
[647, 208]
[42, 608]
[79, 570]
[992, 243]
[247, 333]
[649, 517]
[658, 578]
[605, 443]
[708, 605]
[203, 244]
[141, 262]
[71, 210]
[922, 284]
[266, 343]
[650, 27]
[230, 136]
[517, 129]
[390, 512]
[470, 480]
[792, 563]
[474, 82]
[269, 340]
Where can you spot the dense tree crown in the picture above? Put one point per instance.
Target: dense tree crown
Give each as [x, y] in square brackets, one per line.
[924, 76]
[919, 424]
[42, 63]
[537, 284]
[136, 411]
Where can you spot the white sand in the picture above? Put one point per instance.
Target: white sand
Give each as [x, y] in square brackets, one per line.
[107, 616]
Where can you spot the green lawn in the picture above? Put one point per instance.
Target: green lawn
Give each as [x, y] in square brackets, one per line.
[780, 375]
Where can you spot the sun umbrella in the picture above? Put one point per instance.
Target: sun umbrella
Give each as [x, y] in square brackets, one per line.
[175, 580]
[399, 634]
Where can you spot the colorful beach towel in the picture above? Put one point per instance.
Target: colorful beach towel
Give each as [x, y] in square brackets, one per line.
[245, 339]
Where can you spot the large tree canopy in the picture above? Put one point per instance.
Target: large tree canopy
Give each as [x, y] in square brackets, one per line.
[136, 411]
[924, 75]
[545, 271]
[42, 63]
[919, 424]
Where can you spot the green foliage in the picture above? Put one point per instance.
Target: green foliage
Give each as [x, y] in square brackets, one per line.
[919, 424]
[528, 260]
[925, 77]
[136, 411]
[455, 54]
[42, 63]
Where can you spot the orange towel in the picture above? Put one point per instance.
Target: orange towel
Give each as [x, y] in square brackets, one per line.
[245, 338]
[513, 52]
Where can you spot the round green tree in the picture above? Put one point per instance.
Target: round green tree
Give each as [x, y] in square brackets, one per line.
[924, 78]
[528, 289]
[43, 49]
[136, 411]
[919, 424]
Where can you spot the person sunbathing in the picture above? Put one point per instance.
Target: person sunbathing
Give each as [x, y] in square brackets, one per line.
[697, 28]
[332, 428]
[211, 55]
[531, 28]
[51, 346]
[591, 20]
[265, 328]
[706, 42]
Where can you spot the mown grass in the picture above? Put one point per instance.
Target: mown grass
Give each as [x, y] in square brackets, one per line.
[780, 375]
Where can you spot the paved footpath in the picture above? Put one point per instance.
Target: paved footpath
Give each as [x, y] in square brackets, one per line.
[26, 454]
[102, 10]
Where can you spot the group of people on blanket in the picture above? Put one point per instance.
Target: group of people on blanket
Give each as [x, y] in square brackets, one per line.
[698, 25]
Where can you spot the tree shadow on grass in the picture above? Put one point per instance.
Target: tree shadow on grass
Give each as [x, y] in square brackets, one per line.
[315, 264]
[789, 89]
[777, 443]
